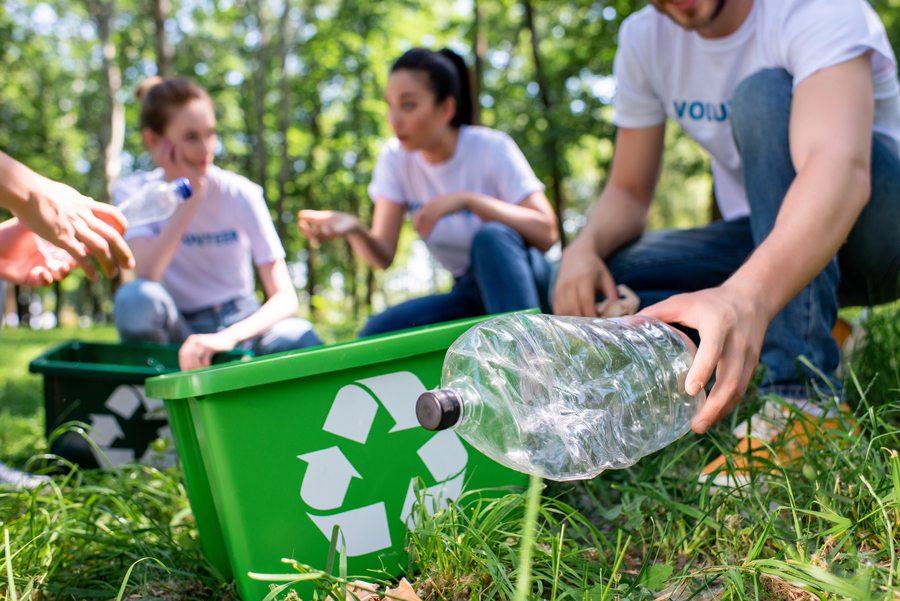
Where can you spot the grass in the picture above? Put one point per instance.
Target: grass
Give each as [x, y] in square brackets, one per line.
[826, 525]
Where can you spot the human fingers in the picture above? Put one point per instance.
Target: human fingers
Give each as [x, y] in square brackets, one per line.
[37, 277]
[732, 378]
[121, 251]
[99, 248]
[110, 215]
[307, 231]
[312, 216]
[586, 296]
[606, 284]
[80, 256]
[187, 354]
[677, 309]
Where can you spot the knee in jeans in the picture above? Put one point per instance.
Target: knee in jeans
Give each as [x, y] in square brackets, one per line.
[759, 99]
[493, 234]
[140, 309]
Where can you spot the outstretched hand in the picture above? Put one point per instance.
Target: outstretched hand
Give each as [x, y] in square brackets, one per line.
[322, 226]
[731, 329]
[27, 260]
[79, 225]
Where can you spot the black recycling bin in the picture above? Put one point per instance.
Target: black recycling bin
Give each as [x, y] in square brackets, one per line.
[102, 385]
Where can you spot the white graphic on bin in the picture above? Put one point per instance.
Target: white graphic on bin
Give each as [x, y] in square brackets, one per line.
[123, 402]
[328, 475]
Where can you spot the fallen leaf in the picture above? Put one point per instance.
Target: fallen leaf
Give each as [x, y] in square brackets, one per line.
[364, 591]
[403, 591]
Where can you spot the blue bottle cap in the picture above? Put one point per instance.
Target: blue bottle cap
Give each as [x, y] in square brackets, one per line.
[183, 187]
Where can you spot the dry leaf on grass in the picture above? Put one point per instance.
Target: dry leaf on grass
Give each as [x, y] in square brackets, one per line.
[364, 591]
[403, 591]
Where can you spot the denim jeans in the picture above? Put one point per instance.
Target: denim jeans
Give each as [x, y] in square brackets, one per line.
[667, 262]
[146, 312]
[506, 275]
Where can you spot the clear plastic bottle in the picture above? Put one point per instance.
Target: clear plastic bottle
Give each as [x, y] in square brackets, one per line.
[155, 201]
[566, 397]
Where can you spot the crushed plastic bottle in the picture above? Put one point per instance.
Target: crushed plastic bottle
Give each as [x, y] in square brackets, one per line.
[565, 397]
[155, 201]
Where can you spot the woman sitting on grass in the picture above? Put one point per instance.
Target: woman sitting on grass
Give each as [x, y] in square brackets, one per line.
[472, 196]
[195, 269]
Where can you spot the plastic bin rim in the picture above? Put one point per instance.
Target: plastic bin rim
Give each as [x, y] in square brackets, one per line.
[43, 365]
[299, 364]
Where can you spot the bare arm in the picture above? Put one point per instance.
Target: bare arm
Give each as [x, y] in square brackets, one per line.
[60, 215]
[376, 247]
[830, 140]
[618, 218]
[154, 255]
[533, 218]
[198, 349]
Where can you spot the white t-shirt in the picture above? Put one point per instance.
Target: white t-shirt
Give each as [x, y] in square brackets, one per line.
[485, 161]
[664, 71]
[232, 226]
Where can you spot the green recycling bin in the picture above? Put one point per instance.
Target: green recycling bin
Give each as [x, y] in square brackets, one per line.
[279, 450]
[102, 385]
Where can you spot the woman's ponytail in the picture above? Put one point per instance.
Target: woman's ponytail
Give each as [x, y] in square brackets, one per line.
[465, 109]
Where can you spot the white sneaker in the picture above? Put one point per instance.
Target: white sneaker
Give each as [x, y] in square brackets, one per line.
[18, 479]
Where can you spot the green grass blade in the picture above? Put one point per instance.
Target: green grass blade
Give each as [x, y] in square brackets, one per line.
[526, 547]
[9, 570]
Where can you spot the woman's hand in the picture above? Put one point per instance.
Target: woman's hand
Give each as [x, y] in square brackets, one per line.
[440, 206]
[322, 226]
[198, 350]
[27, 260]
[582, 274]
[171, 158]
[731, 327]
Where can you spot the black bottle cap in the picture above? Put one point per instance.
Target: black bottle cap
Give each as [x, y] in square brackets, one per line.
[439, 409]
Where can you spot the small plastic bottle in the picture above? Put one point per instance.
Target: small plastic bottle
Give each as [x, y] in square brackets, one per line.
[155, 201]
[565, 397]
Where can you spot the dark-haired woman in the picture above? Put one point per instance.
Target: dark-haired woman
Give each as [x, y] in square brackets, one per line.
[195, 269]
[472, 196]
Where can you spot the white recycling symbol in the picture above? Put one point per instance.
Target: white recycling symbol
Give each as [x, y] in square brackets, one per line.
[105, 429]
[327, 478]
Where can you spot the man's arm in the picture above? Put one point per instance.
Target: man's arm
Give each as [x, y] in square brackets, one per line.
[831, 139]
[57, 213]
[618, 218]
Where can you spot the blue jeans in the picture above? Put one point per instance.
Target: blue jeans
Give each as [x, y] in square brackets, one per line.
[667, 262]
[146, 312]
[506, 275]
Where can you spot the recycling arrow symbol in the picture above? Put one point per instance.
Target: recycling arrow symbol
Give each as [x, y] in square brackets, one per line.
[123, 403]
[329, 472]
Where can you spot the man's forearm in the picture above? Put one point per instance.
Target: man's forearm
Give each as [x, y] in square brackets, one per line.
[16, 183]
[815, 219]
[617, 219]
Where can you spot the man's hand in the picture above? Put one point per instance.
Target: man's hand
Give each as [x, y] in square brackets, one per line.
[322, 226]
[27, 260]
[582, 274]
[440, 206]
[198, 350]
[80, 226]
[732, 325]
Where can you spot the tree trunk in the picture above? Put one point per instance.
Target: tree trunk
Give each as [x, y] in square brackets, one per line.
[284, 33]
[164, 50]
[550, 139]
[259, 95]
[111, 132]
[479, 48]
[21, 308]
